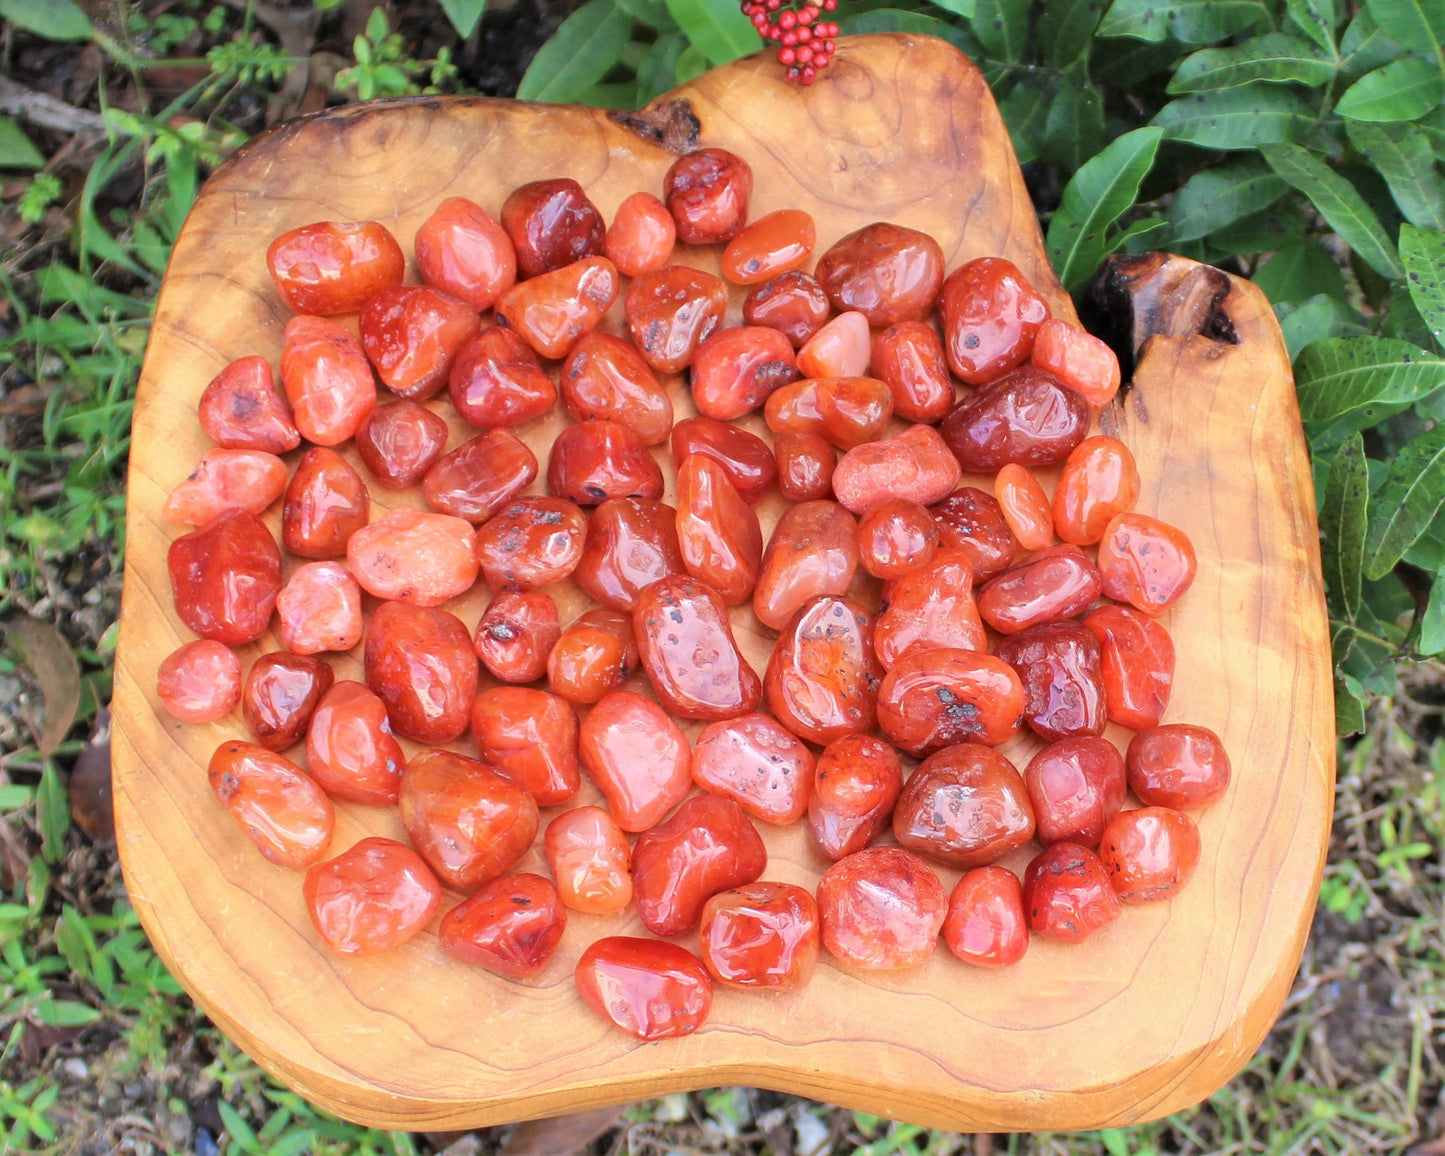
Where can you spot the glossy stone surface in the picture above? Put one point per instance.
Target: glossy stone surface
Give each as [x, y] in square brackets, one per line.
[1137, 662]
[686, 644]
[1058, 664]
[332, 266]
[930, 607]
[847, 411]
[641, 236]
[531, 737]
[1099, 480]
[595, 654]
[1178, 765]
[986, 925]
[604, 377]
[327, 379]
[792, 303]
[671, 311]
[1067, 895]
[839, 349]
[1026, 508]
[805, 466]
[965, 806]
[638, 758]
[990, 315]
[770, 245]
[411, 335]
[477, 479]
[591, 861]
[895, 538]
[887, 272]
[1054, 584]
[420, 663]
[462, 250]
[735, 370]
[551, 223]
[515, 635]
[631, 543]
[199, 682]
[761, 935]
[510, 926]
[398, 442]
[935, 698]
[650, 990]
[972, 521]
[370, 898]
[823, 676]
[596, 460]
[813, 551]
[718, 532]
[350, 749]
[881, 910]
[756, 763]
[280, 694]
[855, 784]
[915, 466]
[552, 310]
[1145, 562]
[414, 557]
[1076, 786]
[909, 357]
[744, 457]
[326, 503]
[225, 578]
[281, 810]
[319, 609]
[1150, 853]
[707, 193]
[531, 542]
[1078, 359]
[226, 480]
[241, 409]
[496, 380]
[1027, 417]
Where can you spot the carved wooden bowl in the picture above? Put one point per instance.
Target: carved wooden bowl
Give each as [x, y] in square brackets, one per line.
[1148, 1016]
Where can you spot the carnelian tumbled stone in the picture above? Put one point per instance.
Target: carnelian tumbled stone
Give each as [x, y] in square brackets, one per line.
[761, 935]
[200, 682]
[326, 503]
[933, 698]
[839, 349]
[966, 806]
[707, 192]
[744, 457]
[1149, 853]
[225, 578]
[1058, 663]
[887, 272]
[591, 861]
[462, 250]
[414, 557]
[530, 543]
[708, 846]
[805, 464]
[552, 310]
[371, 898]
[631, 543]
[686, 645]
[319, 609]
[1067, 895]
[971, 520]
[1145, 562]
[718, 532]
[895, 538]
[420, 663]
[399, 442]
[1027, 417]
[641, 236]
[596, 460]
[916, 466]
[770, 245]
[241, 409]
[792, 303]
[515, 635]
[1076, 786]
[649, 989]
[848, 411]
[469, 821]
[411, 336]
[509, 926]
[671, 311]
[605, 377]
[280, 808]
[1025, 506]
[595, 654]
[350, 749]
[226, 480]
[813, 551]
[990, 316]
[1056, 583]
[986, 925]
[1099, 480]
[881, 909]
[755, 762]
[530, 736]
[1177, 765]
[909, 357]
[497, 380]
[822, 679]
[327, 378]
[332, 266]
[637, 757]
[735, 370]
[855, 785]
[551, 224]
[479, 477]
[931, 607]
[280, 695]
[1078, 359]
[1137, 660]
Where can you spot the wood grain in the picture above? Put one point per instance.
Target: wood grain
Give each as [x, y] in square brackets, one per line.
[1149, 1016]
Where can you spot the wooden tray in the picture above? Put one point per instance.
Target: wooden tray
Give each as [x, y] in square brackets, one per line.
[1149, 1016]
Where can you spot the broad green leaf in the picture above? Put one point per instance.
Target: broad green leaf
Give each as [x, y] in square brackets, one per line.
[1336, 376]
[1213, 198]
[901, 20]
[1432, 124]
[1066, 30]
[1100, 192]
[52, 19]
[16, 149]
[1303, 324]
[1001, 27]
[1343, 522]
[1188, 21]
[653, 13]
[1272, 58]
[1261, 232]
[1340, 205]
[1074, 127]
[1142, 235]
[1423, 255]
[658, 71]
[1133, 62]
[1299, 271]
[464, 15]
[1417, 24]
[620, 95]
[964, 8]
[64, 1013]
[690, 63]
[1432, 622]
[1403, 507]
[717, 28]
[1404, 323]
[1404, 89]
[1349, 709]
[1316, 19]
[1364, 47]
[1401, 154]
[1025, 111]
[579, 54]
[1237, 118]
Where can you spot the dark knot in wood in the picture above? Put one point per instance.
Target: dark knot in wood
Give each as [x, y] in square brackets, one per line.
[671, 124]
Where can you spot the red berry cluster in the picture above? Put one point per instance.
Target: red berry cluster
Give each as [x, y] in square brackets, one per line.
[806, 43]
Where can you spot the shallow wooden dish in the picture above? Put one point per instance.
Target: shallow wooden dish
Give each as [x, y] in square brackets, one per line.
[1149, 1016]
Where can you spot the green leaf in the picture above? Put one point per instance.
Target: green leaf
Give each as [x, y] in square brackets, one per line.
[1001, 27]
[1220, 196]
[1066, 30]
[964, 8]
[1303, 324]
[717, 28]
[1237, 118]
[1273, 58]
[16, 149]
[464, 15]
[580, 53]
[1423, 255]
[1188, 21]
[1417, 24]
[1404, 89]
[64, 1013]
[1100, 192]
[653, 13]
[1262, 232]
[1298, 271]
[1365, 47]
[1404, 505]
[1349, 710]
[1340, 205]
[900, 20]
[1316, 19]
[1343, 523]
[690, 63]
[238, 1129]
[52, 19]
[52, 812]
[15, 797]
[1432, 622]
[1401, 154]
[1074, 127]
[1025, 111]
[1336, 376]
[75, 941]
[658, 71]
